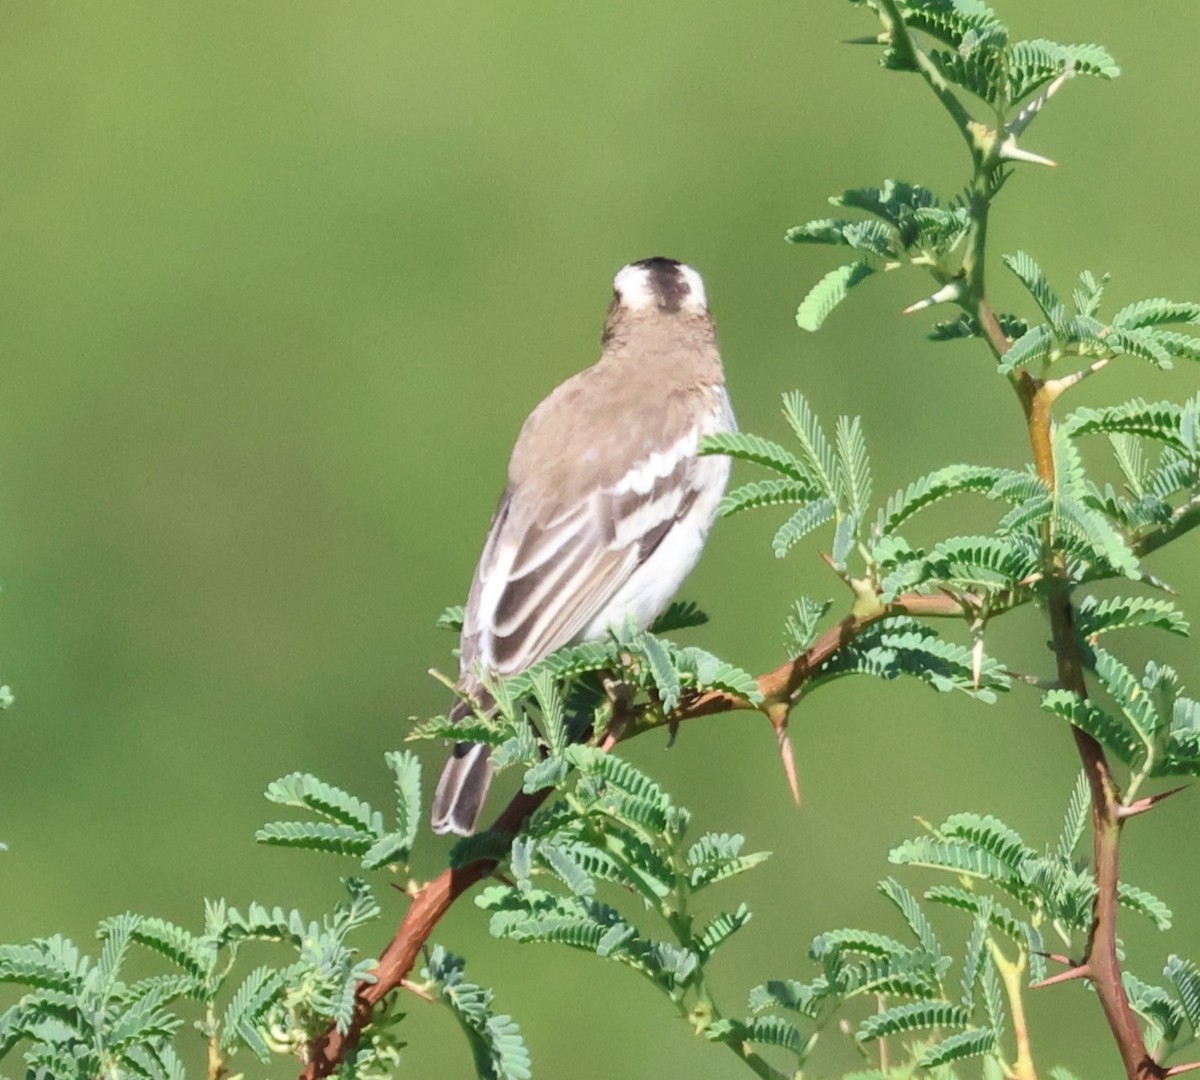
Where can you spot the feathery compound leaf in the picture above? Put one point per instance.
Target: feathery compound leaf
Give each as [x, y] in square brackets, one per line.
[1075, 820]
[248, 1010]
[853, 467]
[766, 493]
[1103, 727]
[708, 672]
[1128, 693]
[496, 1043]
[719, 929]
[774, 1031]
[818, 231]
[800, 524]
[1032, 347]
[406, 769]
[1156, 311]
[680, 615]
[1186, 977]
[1145, 903]
[1140, 343]
[1153, 1004]
[754, 448]
[957, 856]
[1033, 278]
[1095, 616]
[963, 1044]
[990, 834]
[912, 1016]
[913, 915]
[833, 943]
[195, 955]
[804, 998]
[306, 791]
[873, 237]
[452, 619]
[316, 836]
[716, 856]
[800, 627]
[1159, 421]
[937, 485]
[981, 74]
[894, 203]
[815, 451]
[1032, 64]
[550, 703]
[830, 291]
[1088, 293]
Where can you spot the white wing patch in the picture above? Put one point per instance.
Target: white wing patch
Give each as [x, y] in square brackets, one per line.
[623, 552]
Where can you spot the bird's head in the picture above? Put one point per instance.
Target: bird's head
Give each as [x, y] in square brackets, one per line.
[659, 285]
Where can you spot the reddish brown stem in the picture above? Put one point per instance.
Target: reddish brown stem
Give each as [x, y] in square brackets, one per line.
[436, 898]
[1101, 965]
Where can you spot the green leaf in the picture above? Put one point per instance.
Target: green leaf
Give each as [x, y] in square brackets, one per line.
[759, 451]
[800, 627]
[957, 856]
[306, 791]
[1159, 421]
[496, 1043]
[804, 998]
[406, 772]
[248, 1010]
[853, 468]
[990, 834]
[1103, 727]
[830, 291]
[719, 929]
[962, 1044]
[1076, 819]
[680, 615]
[1186, 977]
[765, 493]
[316, 836]
[1156, 311]
[1032, 347]
[800, 524]
[815, 451]
[1033, 278]
[1145, 903]
[913, 915]
[192, 954]
[550, 704]
[819, 231]
[1032, 64]
[716, 856]
[452, 619]
[912, 1016]
[1095, 616]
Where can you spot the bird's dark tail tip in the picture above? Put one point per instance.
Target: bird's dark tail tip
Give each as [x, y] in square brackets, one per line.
[462, 789]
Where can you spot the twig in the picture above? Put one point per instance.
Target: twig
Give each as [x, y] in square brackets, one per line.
[429, 906]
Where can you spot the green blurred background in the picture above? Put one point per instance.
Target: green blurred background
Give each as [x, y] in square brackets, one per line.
[280, 282]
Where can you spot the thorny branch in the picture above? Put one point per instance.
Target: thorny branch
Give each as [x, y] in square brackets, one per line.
[1101, 965]
[780, 689]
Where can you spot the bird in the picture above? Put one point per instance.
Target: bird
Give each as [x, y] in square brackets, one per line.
[607, 506]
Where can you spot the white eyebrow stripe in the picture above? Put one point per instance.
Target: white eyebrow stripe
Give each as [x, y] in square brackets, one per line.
[632, 284]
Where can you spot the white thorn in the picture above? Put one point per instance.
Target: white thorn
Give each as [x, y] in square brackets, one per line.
[1010, 151]
[948, 293]
[1023, 119]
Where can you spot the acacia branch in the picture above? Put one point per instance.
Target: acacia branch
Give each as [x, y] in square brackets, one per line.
[779, 689]
[1101, 965]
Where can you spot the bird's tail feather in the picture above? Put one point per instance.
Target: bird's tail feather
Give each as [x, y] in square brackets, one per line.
[462, 789]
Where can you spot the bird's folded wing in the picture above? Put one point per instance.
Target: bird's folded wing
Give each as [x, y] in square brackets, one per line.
[545, 576]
